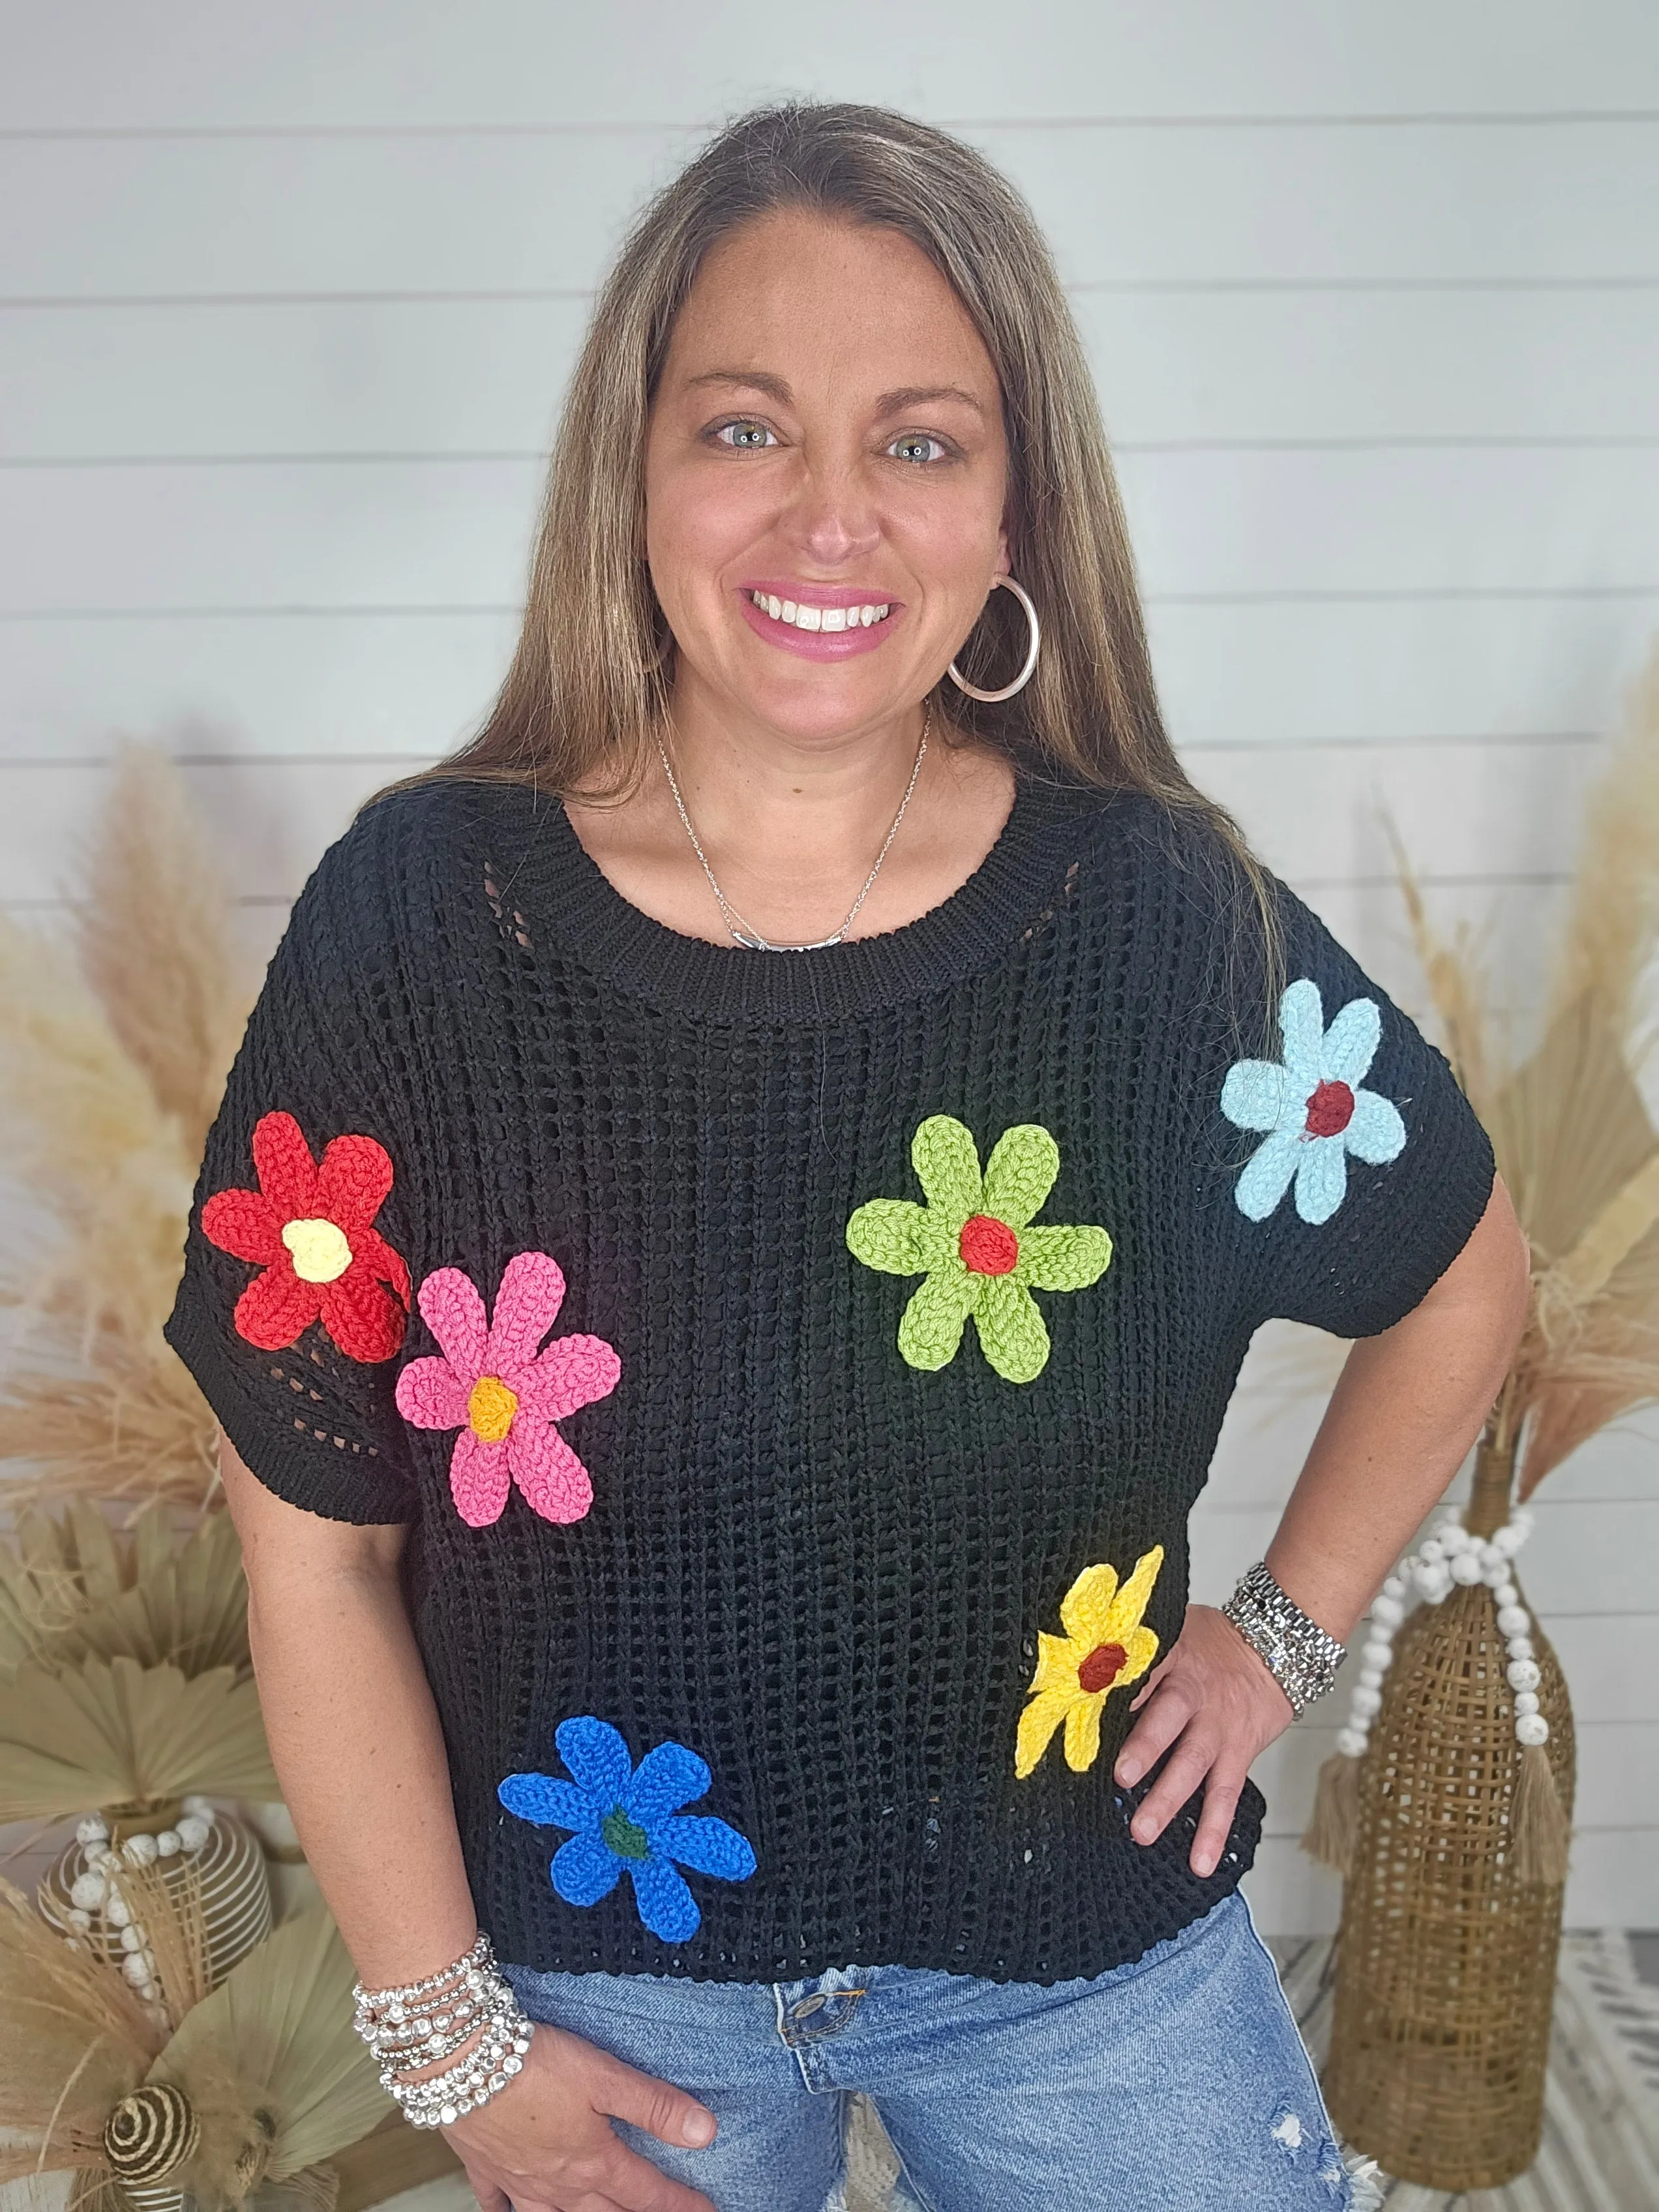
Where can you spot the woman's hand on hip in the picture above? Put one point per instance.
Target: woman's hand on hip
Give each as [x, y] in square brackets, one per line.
[1213, 1700]
[546, 2142]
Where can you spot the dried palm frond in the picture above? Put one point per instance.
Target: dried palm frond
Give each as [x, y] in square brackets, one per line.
[1570, 1130]
[153, 933]
[74, 2040]
[111, 1732]
[109, 1072]
[72, 1587]
[248, 2088]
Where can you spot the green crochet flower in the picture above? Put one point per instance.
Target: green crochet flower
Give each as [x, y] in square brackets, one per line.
[973, 1242]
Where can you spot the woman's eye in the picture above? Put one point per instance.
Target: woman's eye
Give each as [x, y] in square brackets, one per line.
[916, 445]
[745, 436]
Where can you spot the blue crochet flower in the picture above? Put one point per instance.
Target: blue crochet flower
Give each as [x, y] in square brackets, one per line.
[1313, 1106]
[624, 1817]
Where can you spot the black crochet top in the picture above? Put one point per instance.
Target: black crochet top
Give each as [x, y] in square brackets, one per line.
[797, 1369]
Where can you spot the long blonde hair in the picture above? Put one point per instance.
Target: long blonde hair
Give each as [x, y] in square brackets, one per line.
[589, 683]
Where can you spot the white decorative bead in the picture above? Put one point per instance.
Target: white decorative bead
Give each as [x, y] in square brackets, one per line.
[1352, 1742]
[92, 1830]
[166, 1841]
[1371, 1678]
[116, 1913]
[1376, 1652]
[1520, 1647]
[89, 1891]
[1532, 1728]
[1466, 1568]
[134, 1968]
[1513, 1621]
[1394, 1587]
[1507, 1594]
[132, 1937]
[107, 1861]
[79, 1919]
[1367, 1701]
[1454, 1538]
[1526, 1701]
[1507, 1539]
[1522, 1674]
[139, 1850]
[1432, 1553]
[193, 1832]
[1494, 1567]
[199, 1809]
[1388, 1612]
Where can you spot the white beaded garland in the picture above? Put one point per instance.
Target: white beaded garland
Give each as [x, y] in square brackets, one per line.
[166, 1841]
[193, 1831]
[1452, 1557]
[92, 1830]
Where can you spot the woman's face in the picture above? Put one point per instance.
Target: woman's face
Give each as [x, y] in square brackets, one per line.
[826, 477]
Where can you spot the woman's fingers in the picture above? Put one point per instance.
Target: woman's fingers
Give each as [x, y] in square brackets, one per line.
[1221, 1794]
[1183, 1772]
[661, 2110]
[1171, 1708]
[490, 2198]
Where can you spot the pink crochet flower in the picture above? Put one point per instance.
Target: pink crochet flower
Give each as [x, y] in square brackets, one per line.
[503, 1395]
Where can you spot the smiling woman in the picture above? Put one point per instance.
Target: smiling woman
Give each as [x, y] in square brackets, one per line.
[819, 950]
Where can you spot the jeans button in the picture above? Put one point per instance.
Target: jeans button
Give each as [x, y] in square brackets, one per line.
[808, 2007]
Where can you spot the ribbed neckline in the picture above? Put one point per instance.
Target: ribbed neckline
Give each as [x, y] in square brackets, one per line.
[565, 893]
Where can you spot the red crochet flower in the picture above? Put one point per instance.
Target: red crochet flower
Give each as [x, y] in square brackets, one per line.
[312, 1229]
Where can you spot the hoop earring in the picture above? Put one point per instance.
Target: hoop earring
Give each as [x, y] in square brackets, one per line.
[1031, 652]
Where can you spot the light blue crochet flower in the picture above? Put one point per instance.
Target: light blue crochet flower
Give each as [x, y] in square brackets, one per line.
[1312, 1106]
[627, 1818]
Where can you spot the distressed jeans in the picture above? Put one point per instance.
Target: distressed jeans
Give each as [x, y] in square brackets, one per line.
[1178, 2084]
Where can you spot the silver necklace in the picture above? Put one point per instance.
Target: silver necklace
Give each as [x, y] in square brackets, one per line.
[751, 938]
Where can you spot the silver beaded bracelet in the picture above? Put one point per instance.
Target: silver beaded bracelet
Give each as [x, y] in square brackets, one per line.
[1295, 1649]
[469, 2002]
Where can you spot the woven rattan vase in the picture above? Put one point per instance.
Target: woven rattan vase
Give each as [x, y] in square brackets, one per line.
[1446, 1958]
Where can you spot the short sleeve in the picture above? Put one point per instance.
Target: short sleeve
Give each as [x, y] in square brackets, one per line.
[292, 1307]
[1358, 1169]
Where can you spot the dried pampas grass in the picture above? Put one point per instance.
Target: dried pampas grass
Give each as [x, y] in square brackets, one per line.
[112, 1056]
[1574, 1141]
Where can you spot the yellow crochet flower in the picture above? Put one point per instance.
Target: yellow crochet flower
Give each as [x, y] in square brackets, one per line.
[1103, 1648]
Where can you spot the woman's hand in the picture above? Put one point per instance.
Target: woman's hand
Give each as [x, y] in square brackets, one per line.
[1214, 1700]
[546, 2142]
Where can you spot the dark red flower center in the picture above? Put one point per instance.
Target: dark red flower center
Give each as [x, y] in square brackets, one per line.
[1330, 1109]
[988, 1246]
[1102, 1667]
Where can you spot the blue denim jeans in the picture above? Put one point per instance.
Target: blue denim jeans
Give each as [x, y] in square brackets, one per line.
[1178, 2084]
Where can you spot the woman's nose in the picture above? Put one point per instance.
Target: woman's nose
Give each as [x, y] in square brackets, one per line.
[832, 519]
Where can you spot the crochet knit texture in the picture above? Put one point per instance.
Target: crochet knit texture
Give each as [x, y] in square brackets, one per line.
[823, 1538]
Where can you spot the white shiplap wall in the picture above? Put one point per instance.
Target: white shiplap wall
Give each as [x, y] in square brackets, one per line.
[286, 298]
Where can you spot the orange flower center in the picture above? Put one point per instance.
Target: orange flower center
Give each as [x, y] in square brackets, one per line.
[1102, 1667]
[988, 1246]
[490, 1407]
[319, 1249]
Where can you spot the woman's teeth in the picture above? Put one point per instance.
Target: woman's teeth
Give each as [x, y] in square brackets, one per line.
[821, 617]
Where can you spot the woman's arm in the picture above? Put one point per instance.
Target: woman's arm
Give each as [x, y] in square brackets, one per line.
[356, 1744]
[1408, 1405]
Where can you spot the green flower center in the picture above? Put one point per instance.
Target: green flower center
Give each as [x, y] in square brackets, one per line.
[988, 1246]
[623, 1836]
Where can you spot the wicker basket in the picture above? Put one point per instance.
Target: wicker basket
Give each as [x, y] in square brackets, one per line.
[1446, 1958]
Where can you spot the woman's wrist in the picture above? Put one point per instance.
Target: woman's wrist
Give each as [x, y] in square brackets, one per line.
[1301, 1656]
[462, 2021]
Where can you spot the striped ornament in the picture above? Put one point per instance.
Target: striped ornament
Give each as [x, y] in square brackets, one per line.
[150, 2132]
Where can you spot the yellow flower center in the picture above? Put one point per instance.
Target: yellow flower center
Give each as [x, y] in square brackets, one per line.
[490, 1408]
[321, 1254]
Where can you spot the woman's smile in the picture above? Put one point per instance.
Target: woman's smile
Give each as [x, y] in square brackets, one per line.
[821, 622]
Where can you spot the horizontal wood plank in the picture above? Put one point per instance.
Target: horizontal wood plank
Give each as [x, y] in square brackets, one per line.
[146, 217]
[346, 376]
[84, 63]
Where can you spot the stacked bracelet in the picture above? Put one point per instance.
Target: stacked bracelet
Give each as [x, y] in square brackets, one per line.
[469, 2003]
[1295, 1649]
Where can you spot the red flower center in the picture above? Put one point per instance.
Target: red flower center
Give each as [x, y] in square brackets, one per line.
[1330, 1109]
[988, 1246]
[1100, 1668]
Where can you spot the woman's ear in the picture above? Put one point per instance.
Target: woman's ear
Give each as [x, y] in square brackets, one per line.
[1004, 565]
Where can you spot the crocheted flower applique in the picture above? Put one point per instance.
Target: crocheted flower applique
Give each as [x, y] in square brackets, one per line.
[310, 1226]
[974, 1243]
[625, 1817]
[503, 1395]
[1312, 1107]
[1105, 1648]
